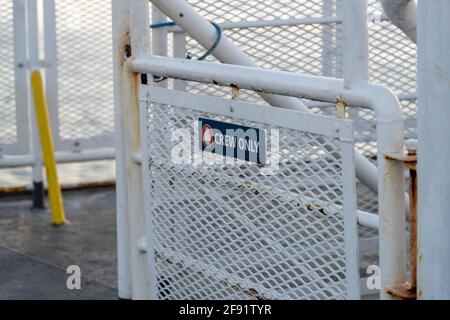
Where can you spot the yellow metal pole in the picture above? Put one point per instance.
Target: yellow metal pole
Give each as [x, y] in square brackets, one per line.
[43, 121]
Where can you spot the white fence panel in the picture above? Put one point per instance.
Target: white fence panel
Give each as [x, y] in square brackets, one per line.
[305, 36]
[13, 80]
[299, 36]
[79, 73]
[222, 231]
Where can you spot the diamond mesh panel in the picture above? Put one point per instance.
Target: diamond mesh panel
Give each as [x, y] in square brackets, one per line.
[393, 56]
[310, 49]
[316, 49]
[251, 10]
[229, 232]
[84, 50]
[393, 60]
[8, 124]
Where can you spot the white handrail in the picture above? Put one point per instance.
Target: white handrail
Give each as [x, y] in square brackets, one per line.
[354, 92]
[389, 131]
[202, 31]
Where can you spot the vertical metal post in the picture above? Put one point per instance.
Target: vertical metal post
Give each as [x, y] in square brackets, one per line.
[407, 290]
[389, 138]
[179, 51]
[328, 43]
[159, 35]
[21, 75]
[140, 43]
[350, 217]
[159, 39]
[147, 180]
[51, 67]
[33, 54]
[202, 31]
[433, 150]
[356, 43]
[21, 72]
[131, 37]
[121, 43]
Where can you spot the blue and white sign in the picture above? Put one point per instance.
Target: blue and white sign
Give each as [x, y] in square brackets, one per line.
[232, 140]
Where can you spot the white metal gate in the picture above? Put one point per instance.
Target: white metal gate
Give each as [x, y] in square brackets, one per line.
[13, 80]
[305, 36]
[78, 46]
[71, 42]
[172, 252]
[79, 77]
[233, 231]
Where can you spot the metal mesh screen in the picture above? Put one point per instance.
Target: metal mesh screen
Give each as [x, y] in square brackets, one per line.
[229, 232]
[317, 49]
[393, 56]
[85, 87]
[308, 48]
[262, 9]
[8, 121]
[393, 62]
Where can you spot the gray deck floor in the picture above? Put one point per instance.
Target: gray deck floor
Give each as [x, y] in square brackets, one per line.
[34, 254]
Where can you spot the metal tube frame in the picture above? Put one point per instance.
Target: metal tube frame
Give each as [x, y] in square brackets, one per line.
[26, 58]
[130, 36]
[204, 33]
[352, 91]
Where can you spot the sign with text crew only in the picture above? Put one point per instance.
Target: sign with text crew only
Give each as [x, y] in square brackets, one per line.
[233, 140]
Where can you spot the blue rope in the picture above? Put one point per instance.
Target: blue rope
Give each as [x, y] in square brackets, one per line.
[209, 51]
[162, 25]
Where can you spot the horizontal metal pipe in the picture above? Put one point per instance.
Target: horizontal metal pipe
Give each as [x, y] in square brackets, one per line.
[255, 79]
[16, 161]
[282, 23]
[187, 18]
[61, 157]
[203, 32]
[272, 82]
[407, 96]
[376, 97]
[85, 155]
[270, 23]
[64, 186]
